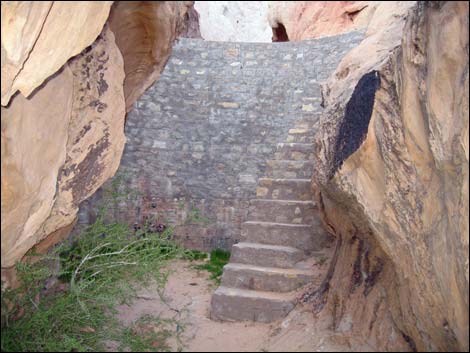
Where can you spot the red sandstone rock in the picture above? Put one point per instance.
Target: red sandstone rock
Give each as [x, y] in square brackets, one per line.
[66, 138]
[60, 145]
[145, 31]
[39, 37]
[395, 187]
[312, 19]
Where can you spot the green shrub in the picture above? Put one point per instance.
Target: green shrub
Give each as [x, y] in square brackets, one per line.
[195, 255]
[100, 267]
[195, 217]
[98, 270]
[218, 259]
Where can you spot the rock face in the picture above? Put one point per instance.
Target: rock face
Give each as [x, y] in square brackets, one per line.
[60, 145]
[31, 148]
[312, 19]
[95, 130]
[191, 21]
[62, 141]
[391, 168]
[145, 32]
[259, 21]
[39, 37]
[392, 176]
[234, 21]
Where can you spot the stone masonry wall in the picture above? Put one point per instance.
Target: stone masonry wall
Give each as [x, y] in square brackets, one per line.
[199, 138]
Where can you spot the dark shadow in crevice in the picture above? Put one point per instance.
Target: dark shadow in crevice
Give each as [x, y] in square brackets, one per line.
[280, 33]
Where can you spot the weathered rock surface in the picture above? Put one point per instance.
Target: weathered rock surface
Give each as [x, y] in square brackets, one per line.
[392, 157]
[191, 23]
[39, 37]
[256, 21]
[66, 138]
[234, 21]
[145, 31]
[32, 155]
[59, 145]
[95, 130]
[313, 19]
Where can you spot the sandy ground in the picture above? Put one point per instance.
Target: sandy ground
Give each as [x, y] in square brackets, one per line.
[186, 299]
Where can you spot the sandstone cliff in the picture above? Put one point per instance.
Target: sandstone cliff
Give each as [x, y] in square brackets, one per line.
[39, 37]
[312, 19]
[256, 21]
[145, 31]
[392, 175]
[392, 150]
[60, 145]
[63, 132]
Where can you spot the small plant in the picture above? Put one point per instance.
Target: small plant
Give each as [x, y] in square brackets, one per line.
[218, 259]
[194, 255]
[98, 269]
[195, 216]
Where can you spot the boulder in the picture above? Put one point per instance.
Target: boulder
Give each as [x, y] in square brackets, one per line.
[392, 176]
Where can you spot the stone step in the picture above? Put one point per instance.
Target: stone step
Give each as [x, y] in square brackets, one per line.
[251, 277]
[284, 189]
[282, 211]
[300, 135]
[266, 255]
[311, 117]
[306, 124]
[289, 169]
[298, 236]
[234, 304]
[294, 151]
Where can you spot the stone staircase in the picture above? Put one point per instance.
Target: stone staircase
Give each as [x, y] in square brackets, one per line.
[280, 242]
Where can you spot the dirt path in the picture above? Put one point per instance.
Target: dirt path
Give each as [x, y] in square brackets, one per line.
[187, 298]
